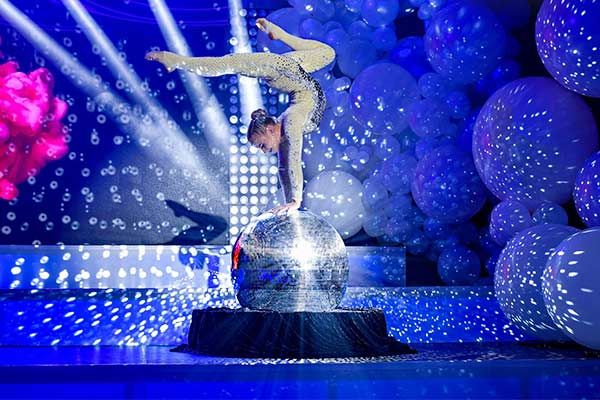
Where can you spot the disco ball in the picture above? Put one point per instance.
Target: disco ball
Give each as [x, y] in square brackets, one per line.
[289, 262]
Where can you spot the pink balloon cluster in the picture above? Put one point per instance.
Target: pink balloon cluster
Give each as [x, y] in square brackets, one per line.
[31, 133]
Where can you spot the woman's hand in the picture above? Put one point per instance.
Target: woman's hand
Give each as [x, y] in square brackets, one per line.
[264, 25]
[292, 205]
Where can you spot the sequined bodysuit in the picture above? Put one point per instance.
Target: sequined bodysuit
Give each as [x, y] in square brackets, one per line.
[289, 72]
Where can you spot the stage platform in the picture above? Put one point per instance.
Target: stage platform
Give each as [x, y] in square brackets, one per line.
[486, 370]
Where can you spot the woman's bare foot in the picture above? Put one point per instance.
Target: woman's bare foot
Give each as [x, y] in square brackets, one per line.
[267, 27]
[166, 58]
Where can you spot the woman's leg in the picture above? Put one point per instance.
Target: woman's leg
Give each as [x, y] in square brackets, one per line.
[253, 65]
[312, 55]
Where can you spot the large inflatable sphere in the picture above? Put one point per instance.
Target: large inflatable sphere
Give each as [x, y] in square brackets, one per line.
[446, 185]
[380, 97]
[518, 279]
[530, 140]
[568, 39]
[587, 191]
[571, 287]
[465, 41]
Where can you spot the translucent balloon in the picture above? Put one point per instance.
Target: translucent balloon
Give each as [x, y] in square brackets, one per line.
[374, 223]
[360, 30]
[530, 139]
[344, 16]
[322, 153]
[571, 287]
[417, 243]
[375, 195]
[321, 10]
[459, 104]
[386, 146]
[435, 229]
[337, 197]
[587, 191]
[398, 228]
[400, 204]
[381, 95]
[458, 265]
[434, 85]
[425, 145]
[507, 71]
[465, 41]
[339, 101]
[446, 185]
[446, 243]
[342, 84]
[384, 38]
[550, 213]
[429, 118]
[397, 172]
[379, 12]
[353, 5]
[508, 218]
[568, 38]
[409, 53]
[331, 25]
[355, 56]
[310, 28]
[518, 279]
[337, 38]
[287, 18]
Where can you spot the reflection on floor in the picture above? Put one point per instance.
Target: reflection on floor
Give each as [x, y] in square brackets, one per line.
[505, 370]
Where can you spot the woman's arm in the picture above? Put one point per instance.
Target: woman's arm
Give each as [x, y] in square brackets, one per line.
[290, 159]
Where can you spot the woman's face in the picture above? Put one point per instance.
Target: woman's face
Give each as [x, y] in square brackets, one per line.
[268, 141]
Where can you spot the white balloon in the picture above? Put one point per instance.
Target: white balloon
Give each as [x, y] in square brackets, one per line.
[571, 287]
[518, 279]
[337, 197]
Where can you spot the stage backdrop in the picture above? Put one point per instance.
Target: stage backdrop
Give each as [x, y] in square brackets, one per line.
[148, 154]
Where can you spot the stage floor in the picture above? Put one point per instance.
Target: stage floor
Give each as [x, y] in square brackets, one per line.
[500, 370]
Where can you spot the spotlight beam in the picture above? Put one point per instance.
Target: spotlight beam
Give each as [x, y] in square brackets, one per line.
[206, 105]
[145, 133]
[118, 67]
[250, 95]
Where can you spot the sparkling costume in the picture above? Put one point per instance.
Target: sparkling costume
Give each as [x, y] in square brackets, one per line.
[287, 72]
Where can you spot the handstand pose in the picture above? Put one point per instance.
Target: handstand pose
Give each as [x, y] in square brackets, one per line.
[287, 72]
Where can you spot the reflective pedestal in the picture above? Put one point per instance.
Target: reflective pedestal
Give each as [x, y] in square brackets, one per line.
[303, 334]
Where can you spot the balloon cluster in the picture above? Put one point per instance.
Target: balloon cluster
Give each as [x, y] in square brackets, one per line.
[425, 130]
[31, 132]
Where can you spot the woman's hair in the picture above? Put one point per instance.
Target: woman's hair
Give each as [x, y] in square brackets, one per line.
[260, 120]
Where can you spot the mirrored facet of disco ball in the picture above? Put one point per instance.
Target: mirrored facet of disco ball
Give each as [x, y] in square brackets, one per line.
[290, 262]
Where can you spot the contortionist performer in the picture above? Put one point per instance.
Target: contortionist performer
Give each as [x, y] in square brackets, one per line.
[287, 72]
